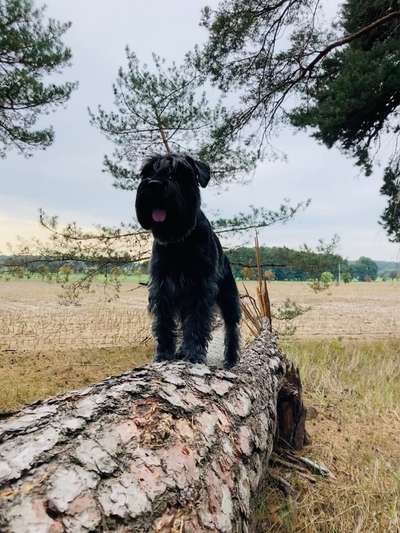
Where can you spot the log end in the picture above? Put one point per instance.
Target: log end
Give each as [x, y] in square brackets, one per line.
[291, 430]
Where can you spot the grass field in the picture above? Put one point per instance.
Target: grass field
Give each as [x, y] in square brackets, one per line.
[347, 347]
[354, 388]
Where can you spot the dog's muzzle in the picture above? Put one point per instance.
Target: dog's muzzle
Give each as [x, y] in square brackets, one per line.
[151, 202]
[157, 190]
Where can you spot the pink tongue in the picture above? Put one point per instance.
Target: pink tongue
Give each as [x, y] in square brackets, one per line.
[159, 215]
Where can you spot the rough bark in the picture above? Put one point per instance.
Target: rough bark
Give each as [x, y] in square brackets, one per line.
[169, 447]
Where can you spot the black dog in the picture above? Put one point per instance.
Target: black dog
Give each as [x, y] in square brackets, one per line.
[189, 272]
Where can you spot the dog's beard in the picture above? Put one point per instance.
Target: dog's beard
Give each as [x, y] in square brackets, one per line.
[168, 216]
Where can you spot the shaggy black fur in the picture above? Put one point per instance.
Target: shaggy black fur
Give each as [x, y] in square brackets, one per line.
[189, 272]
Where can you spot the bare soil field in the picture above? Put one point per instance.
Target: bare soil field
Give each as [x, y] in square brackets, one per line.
[32, 319]
[355, 310]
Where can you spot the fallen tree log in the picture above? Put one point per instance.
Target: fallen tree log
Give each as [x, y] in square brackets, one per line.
[168, 447]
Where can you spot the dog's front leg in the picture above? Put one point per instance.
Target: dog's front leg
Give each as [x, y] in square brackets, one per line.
[164, 323]
[196, 315]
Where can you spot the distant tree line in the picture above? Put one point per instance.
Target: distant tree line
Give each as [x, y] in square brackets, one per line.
[279, 263]
[286, 264]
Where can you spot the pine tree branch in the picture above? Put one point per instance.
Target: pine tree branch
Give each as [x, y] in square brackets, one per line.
[348, 39]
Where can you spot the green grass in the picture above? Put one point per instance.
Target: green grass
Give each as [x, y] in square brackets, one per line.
[100, 278]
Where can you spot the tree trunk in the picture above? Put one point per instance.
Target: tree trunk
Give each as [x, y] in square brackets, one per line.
[171, 447]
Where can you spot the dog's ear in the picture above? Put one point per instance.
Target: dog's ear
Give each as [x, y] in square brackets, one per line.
[201, 169]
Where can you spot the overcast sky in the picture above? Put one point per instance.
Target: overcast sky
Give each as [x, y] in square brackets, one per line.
[66, 179]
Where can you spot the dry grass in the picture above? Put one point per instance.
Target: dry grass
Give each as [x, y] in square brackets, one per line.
[27, 377]
[354, 385]
[355, 388]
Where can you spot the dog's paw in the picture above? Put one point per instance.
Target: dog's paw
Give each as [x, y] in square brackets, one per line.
[180, 355]
[196, 358]
[191, 355]
[160, 357]
[230, 360]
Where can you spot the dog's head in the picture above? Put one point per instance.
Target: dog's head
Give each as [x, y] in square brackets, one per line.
[168, 196]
